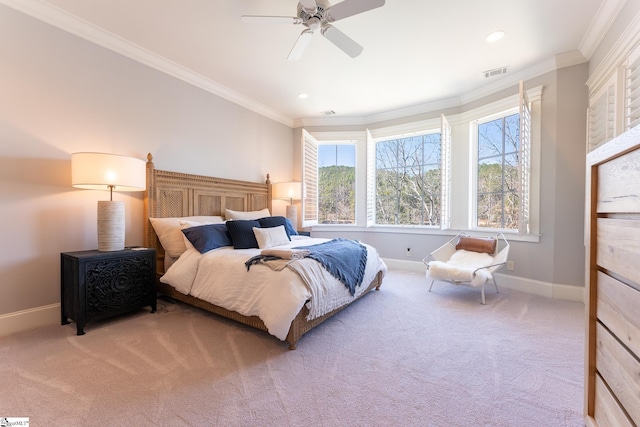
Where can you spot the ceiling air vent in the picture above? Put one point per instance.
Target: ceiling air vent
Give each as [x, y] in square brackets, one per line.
[328, 113]
[495, 72]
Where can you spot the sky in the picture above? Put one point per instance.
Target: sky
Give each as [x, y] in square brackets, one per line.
[336, 155]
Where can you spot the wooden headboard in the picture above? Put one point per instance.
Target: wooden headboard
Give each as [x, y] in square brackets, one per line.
[175, 194]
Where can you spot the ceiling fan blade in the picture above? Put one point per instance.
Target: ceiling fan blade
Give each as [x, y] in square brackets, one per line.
[300, 46]
[254, 19]
[309, 6]
[340, 39]
[347, 8]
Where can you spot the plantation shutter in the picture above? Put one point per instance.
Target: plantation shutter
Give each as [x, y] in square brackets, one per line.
[445, 158]
[632, 90]
[371, 180]
[601, 116]
[309, 180]
[524, 165]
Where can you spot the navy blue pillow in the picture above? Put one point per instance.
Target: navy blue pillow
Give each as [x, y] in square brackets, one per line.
[275, 221]
[291, 230]
[242, 235]
[207, 237]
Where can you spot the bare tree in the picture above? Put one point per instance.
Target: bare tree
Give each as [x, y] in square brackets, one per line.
[498, 159]
[408, 180]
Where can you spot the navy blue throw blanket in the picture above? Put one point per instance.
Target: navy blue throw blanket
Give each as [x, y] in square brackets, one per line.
[345, 259]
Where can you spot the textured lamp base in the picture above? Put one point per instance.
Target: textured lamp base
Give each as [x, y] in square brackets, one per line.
[292, 214]
[110, 226]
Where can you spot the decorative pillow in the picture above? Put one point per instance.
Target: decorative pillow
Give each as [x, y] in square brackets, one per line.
[235, 215]
[274, 221]
[170, 235]
[207, 237]
[477, 244]
[271, 236]
[242, 235]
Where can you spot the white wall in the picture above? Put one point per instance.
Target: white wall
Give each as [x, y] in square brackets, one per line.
[60, 94]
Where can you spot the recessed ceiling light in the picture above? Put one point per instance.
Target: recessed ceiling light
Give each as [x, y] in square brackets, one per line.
[495, 36]
[303, 95]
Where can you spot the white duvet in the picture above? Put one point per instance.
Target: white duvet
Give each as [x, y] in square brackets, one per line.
[221, 278]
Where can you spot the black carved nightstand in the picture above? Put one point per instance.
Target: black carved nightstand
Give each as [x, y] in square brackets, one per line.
[95, 285]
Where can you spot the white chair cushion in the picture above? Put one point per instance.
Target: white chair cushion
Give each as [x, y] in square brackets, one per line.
[460, 267]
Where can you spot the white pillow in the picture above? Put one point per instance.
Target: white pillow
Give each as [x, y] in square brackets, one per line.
[183, 271]
[270, 237]
[170, 234]
[231, 215]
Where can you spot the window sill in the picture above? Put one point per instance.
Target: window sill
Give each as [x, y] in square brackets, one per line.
[408, 229]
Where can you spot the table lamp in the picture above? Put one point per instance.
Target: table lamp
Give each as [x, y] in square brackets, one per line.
[101, 171]
[289, 191]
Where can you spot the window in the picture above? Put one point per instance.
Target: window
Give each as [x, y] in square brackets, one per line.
[411, 175]
[503, 169]
[336, 183]
[329, 180]
[409, 180]
[497, 201]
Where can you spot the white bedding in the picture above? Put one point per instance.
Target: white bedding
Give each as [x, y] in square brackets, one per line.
[221, 278]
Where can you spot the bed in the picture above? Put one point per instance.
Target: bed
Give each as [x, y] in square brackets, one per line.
[189, 198]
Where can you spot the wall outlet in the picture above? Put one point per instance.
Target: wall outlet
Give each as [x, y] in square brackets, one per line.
[511, 265]
[408, 251]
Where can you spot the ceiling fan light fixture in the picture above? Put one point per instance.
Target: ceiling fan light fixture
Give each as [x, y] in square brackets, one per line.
[495, 36]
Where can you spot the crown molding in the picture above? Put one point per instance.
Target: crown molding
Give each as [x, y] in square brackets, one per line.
[399, 113]
[616, 56]
[505, 82]
[65, 21]
[600, 25]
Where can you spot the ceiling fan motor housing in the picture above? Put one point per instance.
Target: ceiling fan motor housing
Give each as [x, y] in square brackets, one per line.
[321, 5]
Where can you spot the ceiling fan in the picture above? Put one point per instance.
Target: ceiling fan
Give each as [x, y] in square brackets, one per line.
[318, 15]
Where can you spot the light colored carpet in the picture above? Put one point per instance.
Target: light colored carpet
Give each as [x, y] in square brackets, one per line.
[401, 356]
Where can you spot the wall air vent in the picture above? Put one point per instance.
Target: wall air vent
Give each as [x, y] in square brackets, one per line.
[328, 113]
[495, 72]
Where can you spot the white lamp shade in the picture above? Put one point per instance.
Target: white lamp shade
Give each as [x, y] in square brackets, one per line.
[99, 171]
[287, 190]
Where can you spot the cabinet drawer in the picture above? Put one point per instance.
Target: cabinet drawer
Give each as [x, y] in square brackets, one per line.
[607, 411]
[617, 309]
[620, 370]
[618, 246]
[618, 184]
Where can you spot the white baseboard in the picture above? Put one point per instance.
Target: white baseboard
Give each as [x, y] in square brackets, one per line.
[536, 287]
[28, 319]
